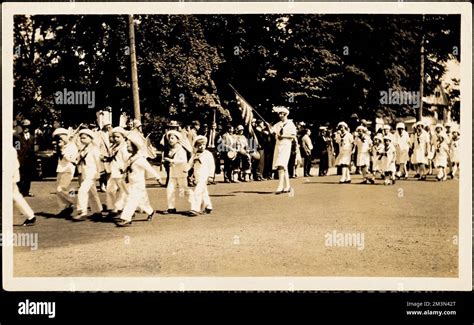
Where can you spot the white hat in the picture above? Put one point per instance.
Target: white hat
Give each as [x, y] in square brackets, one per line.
[199, 139]
[378, 136]
[87, 132]
[239, 127]
[137, 139]
[173, 132]
[26, 123]
[439, 126]
[119, 129]
[361, 128]
[344, 124]
[387, 137]
[60, 131]
[387, 127]
[400, 125]
[417, 123]
[281, 109]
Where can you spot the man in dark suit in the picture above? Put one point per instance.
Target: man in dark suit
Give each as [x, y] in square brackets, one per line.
[25, 145]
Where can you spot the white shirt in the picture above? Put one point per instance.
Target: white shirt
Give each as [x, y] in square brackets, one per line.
[285, 129]
[204, 165]
[67, 158]
[179, 162]
[402, 141]
[363, 146]
[138, 169]
[120, 156]
[89, 161]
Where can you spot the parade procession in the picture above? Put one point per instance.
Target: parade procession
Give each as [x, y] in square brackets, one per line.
[236, 145]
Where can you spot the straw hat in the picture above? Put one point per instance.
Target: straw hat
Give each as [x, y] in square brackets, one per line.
[173, 132]
[88, 132]
[119, 129]
[60, 131]
[200, 139]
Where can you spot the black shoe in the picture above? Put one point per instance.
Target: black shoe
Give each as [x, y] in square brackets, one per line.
[97, 217]
[66, 212]
[279, 192]
[207, 211]
[29, 222]
[193, 213]
[150, 216]
[123, 223]
[169, 211]
[372, 181]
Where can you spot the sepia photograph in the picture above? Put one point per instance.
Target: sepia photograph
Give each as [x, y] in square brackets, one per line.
[236, 146]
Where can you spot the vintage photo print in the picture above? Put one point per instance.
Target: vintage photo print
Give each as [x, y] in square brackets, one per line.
[236, 146]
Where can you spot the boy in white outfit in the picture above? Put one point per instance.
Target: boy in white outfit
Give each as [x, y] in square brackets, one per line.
[88, 168]
[65, 170]
[441, 156]
[18, 198]
[204, 167]
[116, 188]
[388, 160]
[345, 140]
[178, 170]
[137, 171]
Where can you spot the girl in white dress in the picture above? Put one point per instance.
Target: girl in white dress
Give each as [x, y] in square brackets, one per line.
[285, 133]
[421, 144]
[363, 144]
[454, 152]
[441, 156]
[388, 160]
[345, 140]
[376, 151]
[402, 145]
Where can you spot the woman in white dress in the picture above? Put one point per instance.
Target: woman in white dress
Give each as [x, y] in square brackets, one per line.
[454, 152]
[285, 132]
[421, 144]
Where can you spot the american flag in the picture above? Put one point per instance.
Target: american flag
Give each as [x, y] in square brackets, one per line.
[247, 115]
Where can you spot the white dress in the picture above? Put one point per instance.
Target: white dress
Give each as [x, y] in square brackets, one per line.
[282, 152]
[363, 155]
[376, 159]
[420, 142]
[345, 143]
[402, 144]
[454, 151]
[441, 155]
[388, 159]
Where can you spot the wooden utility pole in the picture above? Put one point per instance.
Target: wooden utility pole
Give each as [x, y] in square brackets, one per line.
[422, 69]
[133, 61]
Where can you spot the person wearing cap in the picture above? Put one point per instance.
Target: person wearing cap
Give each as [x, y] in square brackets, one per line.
[387, 131]
[402, 144]
[116, 186]
[67, 157]
[324, 150]
[88, 165]
[388, 160]
[441, 156]
[213, 137]
[306, 152]
[363, 144]
[377, 150]
[202, 163]
[454, 152]
[226, 147]
[26, 156]
[178, 171]
[137, 170]
[165, 147]
[284, 132]
[421, 144]
[345, 141]
[242, 167]
[103, 138]
[18, 198]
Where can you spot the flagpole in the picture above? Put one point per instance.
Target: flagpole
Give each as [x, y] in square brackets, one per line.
[253, 109]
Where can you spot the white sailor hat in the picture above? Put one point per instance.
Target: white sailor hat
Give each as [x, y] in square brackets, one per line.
[281, 109]
[378, 136]
[137, 139]
[387, 127]
[387, 138]
[361, 128]
[60, 131]
[173, 132]
[239, 127]
[400, 125]
[200, 139]
[119, 129]
[87, 132]
[26, 122]
[439, 126]
[344, 124]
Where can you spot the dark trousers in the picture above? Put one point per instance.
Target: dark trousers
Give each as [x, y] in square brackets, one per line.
[292, 165]
[307, 165]
[323, 164]
[26, 176]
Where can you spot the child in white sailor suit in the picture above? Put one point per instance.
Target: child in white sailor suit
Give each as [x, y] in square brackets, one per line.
[388, 160]
[454, 152]
[376, 151]
[18, 198]
[204, 167]
[116, 187]
[441, 156]
[65, 170]
[137, 171]
[88, 167]
[345, 141]
[363, 144]
[178, 171]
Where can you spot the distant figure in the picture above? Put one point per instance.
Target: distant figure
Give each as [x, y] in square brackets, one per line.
[306, 152]
[25, 147]
[18, 199]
